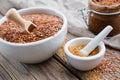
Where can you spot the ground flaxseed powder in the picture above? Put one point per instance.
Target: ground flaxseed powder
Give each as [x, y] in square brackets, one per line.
[75, 50]
[47, 25]
[107, 2]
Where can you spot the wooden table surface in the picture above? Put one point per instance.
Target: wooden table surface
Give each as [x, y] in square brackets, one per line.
[58, 68]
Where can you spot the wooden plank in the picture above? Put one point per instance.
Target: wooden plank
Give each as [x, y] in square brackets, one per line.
[48, 70]
[4, 75]
[109, 69]
[15, 70]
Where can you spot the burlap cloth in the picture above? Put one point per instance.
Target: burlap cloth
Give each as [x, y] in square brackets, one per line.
[70, 8]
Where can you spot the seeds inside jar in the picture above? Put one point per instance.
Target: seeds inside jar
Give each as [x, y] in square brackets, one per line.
[47, 25]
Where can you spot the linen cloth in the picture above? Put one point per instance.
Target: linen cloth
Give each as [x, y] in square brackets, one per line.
[71, 9]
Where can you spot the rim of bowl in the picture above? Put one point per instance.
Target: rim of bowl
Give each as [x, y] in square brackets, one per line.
[61, 15]
[67, 52]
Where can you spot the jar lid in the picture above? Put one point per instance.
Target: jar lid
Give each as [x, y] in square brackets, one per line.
[112, 6]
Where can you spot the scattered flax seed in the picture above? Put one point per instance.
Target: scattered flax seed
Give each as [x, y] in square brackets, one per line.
[94, 76]
[61, 53]
[47, 25]
[109, 65]
[75, 50]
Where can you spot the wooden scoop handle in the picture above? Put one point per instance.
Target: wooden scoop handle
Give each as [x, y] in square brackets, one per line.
[13, 15]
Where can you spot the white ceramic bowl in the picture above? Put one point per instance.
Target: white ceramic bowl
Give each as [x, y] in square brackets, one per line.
[84, 63]
[36, 51]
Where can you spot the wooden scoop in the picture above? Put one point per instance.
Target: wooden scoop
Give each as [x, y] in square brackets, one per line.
[13, 15]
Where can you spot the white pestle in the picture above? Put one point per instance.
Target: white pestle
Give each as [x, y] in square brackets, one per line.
[94, 42]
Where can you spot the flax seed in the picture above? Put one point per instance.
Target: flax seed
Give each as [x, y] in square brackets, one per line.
[107, 2]
[75, 50]
[47, 25]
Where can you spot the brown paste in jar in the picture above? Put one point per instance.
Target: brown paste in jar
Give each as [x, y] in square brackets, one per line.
[75, 50]
[107, 2]
[100, 15]
[47, 25]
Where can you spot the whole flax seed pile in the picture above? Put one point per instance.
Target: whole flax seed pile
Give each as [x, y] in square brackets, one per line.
[107, 2]
[47, 25]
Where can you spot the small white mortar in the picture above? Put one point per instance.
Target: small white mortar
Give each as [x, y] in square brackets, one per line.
[84, 63]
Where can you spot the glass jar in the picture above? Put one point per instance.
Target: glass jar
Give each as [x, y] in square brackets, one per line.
[101, 16]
